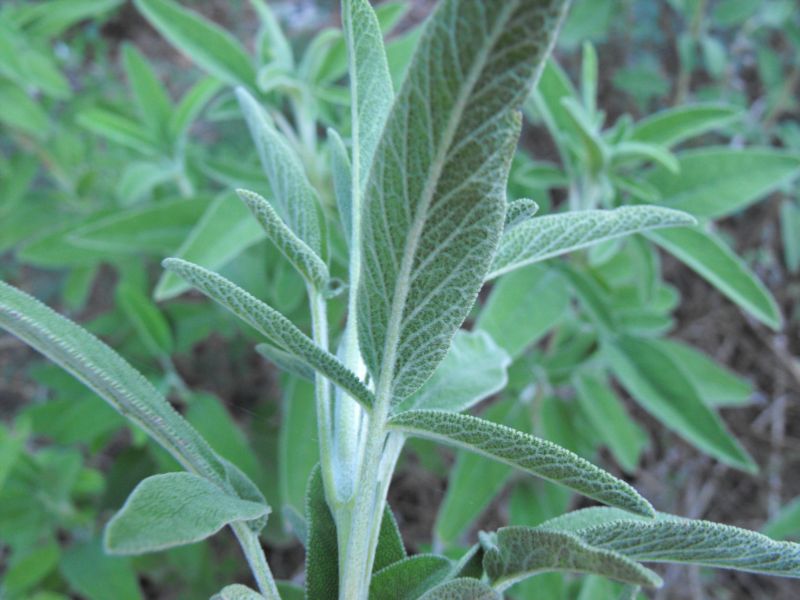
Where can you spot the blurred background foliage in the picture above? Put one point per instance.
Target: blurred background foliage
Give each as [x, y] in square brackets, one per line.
[669, 359]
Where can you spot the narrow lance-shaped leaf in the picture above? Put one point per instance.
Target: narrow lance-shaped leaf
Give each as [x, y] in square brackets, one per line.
[713, 260]
[110, 376]
[670, 539]
[516, 553]
[295, 199]
[539, 457]
[212, 48]
[174, 509]
[277, 328]
[322, 560]
[342, 182]
[371, 91]
[304, 259]
[672, 126]
[551, 235]
[435, 200]
[463, 588]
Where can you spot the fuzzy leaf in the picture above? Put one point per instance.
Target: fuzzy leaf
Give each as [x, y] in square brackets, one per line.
[435, 200]
[548, 236]
[518, 212]
[322, 559]
[516, 553]
[277, 328]
[174, 509]
[341, 172]
[113, 379]
[211, 47]
[304, 259]
[371, 91]
[390, 547]
[670, 539]
[461, 589]
[474, 368]
[285, 361]
[237, 591]
[409, 578]
[536, 456]
[295, 199]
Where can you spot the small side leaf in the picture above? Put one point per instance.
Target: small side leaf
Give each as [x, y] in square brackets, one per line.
[462, 589]
[516, 553]
[518, 212]
[536, 456]
[237, 591]
[174, 509]
[548, 236]
[390, 547]
[277, 328]
[297, 252]
[672, 126]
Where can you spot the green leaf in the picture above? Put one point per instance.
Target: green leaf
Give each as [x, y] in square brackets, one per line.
[708, 255]
[661, 387]
[151, 229]
[390, 548]
[152, 101]
[674, 125]
[593, 146]
[114, 380]
[295, 199]
[50, 19]
[119, 129]
[146, 319]
[223, 232]
[341, 172]
[272, 44]
[174, 509]
[322, 553]
[606, 413]
[786, 523]
[671, 539]
[189, 108]
[237, 591]
[532, 295]
[211, 47]
[716, 182]
[277, 328]
[461, 589]
[551, 235]
[625, 151]
[298, 450]
[96, 576]
[523, 451]
[371, 91]
[473, 369]
[716, 385]
[18, 111]
[435, 202]
[408, 579]
[516, 553]
[303, 258]
[790, 234]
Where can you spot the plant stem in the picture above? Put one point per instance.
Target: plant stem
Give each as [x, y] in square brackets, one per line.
[254, 554]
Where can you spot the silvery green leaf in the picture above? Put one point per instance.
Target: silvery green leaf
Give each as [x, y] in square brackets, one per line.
[322, 558]
[464, 588]
[341, 173]
[174, 509]
[111, 377]
[474, 369]
[297, 252]
[518, 212]
[277, 328]
[435, 199]
[671, 539]
[588, 517]
[516, 553]
[536, 456]
[286, 361]
[390, 548]
[371, 91]
[237, 591]
[295, 199]
[548, 236]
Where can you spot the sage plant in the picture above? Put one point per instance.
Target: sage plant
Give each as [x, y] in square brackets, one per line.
[421, 199]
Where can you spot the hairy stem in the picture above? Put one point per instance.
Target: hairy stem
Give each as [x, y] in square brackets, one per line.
[254, 554]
